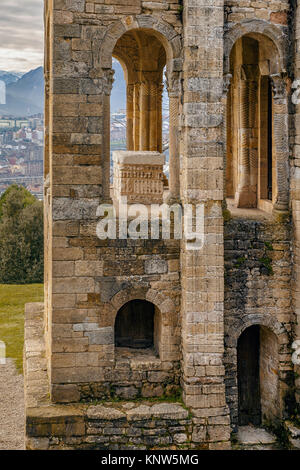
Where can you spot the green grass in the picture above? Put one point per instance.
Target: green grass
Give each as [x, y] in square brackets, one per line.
[12, 301]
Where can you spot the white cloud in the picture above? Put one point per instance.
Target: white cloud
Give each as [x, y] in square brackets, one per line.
[21, 35]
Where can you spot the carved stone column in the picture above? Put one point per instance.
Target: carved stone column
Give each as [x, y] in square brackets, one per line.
[153, 116]
[159, 93]
[107, 79]
[129, 116]
[226, 86]
[136, 116]
[246, 195]
[144, 115]
[280, 135]
[174, 89]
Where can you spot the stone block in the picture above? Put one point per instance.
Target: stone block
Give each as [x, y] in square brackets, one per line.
[101, 336]
[138, 176]
[100, 412]
[155, 266]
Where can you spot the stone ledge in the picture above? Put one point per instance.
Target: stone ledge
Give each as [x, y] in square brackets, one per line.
[105, 426]
[56, 411]
[138, 158]
[105, 413]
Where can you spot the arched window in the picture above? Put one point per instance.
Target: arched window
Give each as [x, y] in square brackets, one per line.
[251, 158]
[118, 112]
[143, 57]
[135, 325]
[142, 174]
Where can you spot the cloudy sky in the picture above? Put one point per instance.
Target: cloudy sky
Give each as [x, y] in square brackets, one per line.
[21, 35]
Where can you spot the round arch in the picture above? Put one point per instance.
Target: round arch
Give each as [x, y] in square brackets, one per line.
[259, 30]
[163, 31]
[163, 303]
[267, 321]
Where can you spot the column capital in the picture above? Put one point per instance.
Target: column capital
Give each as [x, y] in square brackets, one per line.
[226, 82]
[278, 85]
[249, 72]
[108, 80]
[173, 84]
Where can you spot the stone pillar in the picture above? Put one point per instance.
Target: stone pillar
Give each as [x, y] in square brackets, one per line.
[280, 137]
[295, 198]
[150, 134]
[174, 90]
[136, 116]
[253, 141]
[107, 87]
[144, 115]
[160, 88]
[153, 117]
[202, 182]
[246, 195]
[226, 135]
[130, 116]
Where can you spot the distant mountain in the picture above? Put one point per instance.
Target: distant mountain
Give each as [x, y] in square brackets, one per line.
[10, 77]
[25, 96]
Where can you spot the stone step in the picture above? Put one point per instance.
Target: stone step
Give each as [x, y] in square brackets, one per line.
[254, 438]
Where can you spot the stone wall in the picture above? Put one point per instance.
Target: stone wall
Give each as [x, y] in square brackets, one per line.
[258, 292]
[85, 363]
[114, 424]
[269, 377]
[272, 11]
[125, 426]
[89, 280]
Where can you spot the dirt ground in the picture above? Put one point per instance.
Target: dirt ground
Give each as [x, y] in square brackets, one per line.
[11, 408]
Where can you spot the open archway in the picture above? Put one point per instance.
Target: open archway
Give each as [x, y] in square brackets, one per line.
[146, 49]
[143, 57]
[257, 371]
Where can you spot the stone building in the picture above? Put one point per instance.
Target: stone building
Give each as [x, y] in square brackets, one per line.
[126, 319]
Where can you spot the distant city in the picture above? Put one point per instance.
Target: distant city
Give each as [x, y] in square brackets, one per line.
[21, 153]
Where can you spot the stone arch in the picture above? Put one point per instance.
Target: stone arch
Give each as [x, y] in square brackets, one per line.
[262, 320]
[164, 32]
[167, 318]
[256, 29]
[163, 303]
[103, 51]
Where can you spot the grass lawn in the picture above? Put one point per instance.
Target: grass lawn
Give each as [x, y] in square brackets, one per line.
[12, 301]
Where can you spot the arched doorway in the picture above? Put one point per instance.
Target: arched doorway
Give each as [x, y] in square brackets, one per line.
[135, 325]
[257, 371]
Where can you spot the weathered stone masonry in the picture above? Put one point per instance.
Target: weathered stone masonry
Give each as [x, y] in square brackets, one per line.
[233, 146]
[257, 292]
